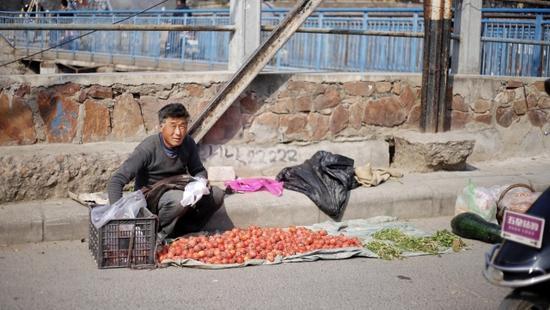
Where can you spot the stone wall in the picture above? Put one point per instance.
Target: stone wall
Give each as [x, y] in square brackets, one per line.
[277, 108]
[70, 132]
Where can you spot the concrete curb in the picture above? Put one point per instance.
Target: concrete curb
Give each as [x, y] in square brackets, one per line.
[413, 196]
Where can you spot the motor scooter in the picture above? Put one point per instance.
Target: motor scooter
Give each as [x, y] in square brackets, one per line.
[524, 266]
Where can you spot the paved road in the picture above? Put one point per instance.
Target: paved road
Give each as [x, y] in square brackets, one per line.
[62, 275]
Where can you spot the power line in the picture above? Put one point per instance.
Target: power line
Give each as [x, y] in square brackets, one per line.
[80, 36]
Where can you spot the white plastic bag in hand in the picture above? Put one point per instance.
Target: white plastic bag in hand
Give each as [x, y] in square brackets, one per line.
[126, 207]
[194, 191]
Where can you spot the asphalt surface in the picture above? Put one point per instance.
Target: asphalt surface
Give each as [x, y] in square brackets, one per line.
[63, 275]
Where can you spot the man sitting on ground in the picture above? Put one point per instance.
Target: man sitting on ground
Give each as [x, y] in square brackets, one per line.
[161, 158]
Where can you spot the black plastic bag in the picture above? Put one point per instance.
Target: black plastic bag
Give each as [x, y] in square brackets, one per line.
[325, 178]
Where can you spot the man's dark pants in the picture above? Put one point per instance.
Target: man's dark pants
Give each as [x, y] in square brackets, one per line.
[176, 220]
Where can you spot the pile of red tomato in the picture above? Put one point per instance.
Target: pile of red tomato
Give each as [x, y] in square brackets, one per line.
[239, 245]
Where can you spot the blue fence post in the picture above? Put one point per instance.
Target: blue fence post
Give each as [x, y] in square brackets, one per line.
[183, 43]
[113, 40]
[213, 46]
[319, 43]
[536, 69]
[72, 44]
[278, 57]
[133, 44]
[363, 46]
[93, 47]
[414, 66]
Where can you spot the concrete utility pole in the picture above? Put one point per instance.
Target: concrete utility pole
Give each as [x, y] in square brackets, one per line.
[467, 57]
[246, 16]
[435, 71]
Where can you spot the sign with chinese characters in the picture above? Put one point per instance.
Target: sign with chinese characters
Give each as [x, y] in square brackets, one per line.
[523, 228]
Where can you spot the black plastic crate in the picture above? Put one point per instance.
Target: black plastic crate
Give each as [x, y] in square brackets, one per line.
[110, 245]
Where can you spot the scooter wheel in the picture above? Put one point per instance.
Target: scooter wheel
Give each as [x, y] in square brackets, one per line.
[521, 299]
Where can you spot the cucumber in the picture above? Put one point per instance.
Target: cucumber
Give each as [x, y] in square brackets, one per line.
[472, 226]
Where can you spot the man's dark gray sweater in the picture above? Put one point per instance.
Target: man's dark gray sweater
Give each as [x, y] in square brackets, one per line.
[149, 163]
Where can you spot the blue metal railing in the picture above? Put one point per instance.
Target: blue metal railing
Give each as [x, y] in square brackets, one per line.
[511, 57]
[350, 52]
[304, 50]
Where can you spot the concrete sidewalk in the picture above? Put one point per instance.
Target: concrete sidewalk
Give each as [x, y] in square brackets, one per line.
[413, 196]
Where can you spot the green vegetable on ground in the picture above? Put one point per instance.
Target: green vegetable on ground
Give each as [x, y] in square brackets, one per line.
[472, 226]
[390, 243]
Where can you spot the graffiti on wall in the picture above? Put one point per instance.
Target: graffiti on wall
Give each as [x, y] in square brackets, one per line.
[246, 155]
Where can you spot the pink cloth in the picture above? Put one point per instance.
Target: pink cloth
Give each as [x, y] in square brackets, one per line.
[256, 184]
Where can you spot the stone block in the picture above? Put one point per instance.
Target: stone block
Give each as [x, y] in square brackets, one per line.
[317, 126]
[194, 90]
[385, 112]
[281, 106]
[127, 120]
[302, 104]
[60, 116]
[544, 102]
[537, 118]
[505, 116]
[458, 104]
[431, 152]
[396, 88]
[482, 105]
[16, 121]
[97, 122]
[82, 95]
[459, 119]
[339, 119]
[413, 119]
[67, 89]
[100, 92]
[407, 98]
[531, 101]
[520, 106]
[504, 98]
[293, 125]
[264, 127]
[359, 88]
[356, 112]
[302, 87]
[484, 118]
[382, 87]
[150, 107]
[329, 99]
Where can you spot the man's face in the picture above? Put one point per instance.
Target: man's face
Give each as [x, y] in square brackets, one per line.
[173, 131]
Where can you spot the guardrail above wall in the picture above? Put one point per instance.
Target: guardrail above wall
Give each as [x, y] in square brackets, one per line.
[510, 41]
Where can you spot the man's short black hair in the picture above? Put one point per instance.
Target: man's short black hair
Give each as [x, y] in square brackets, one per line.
[174, 110]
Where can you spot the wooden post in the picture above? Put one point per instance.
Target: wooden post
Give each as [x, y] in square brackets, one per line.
[437, 25]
